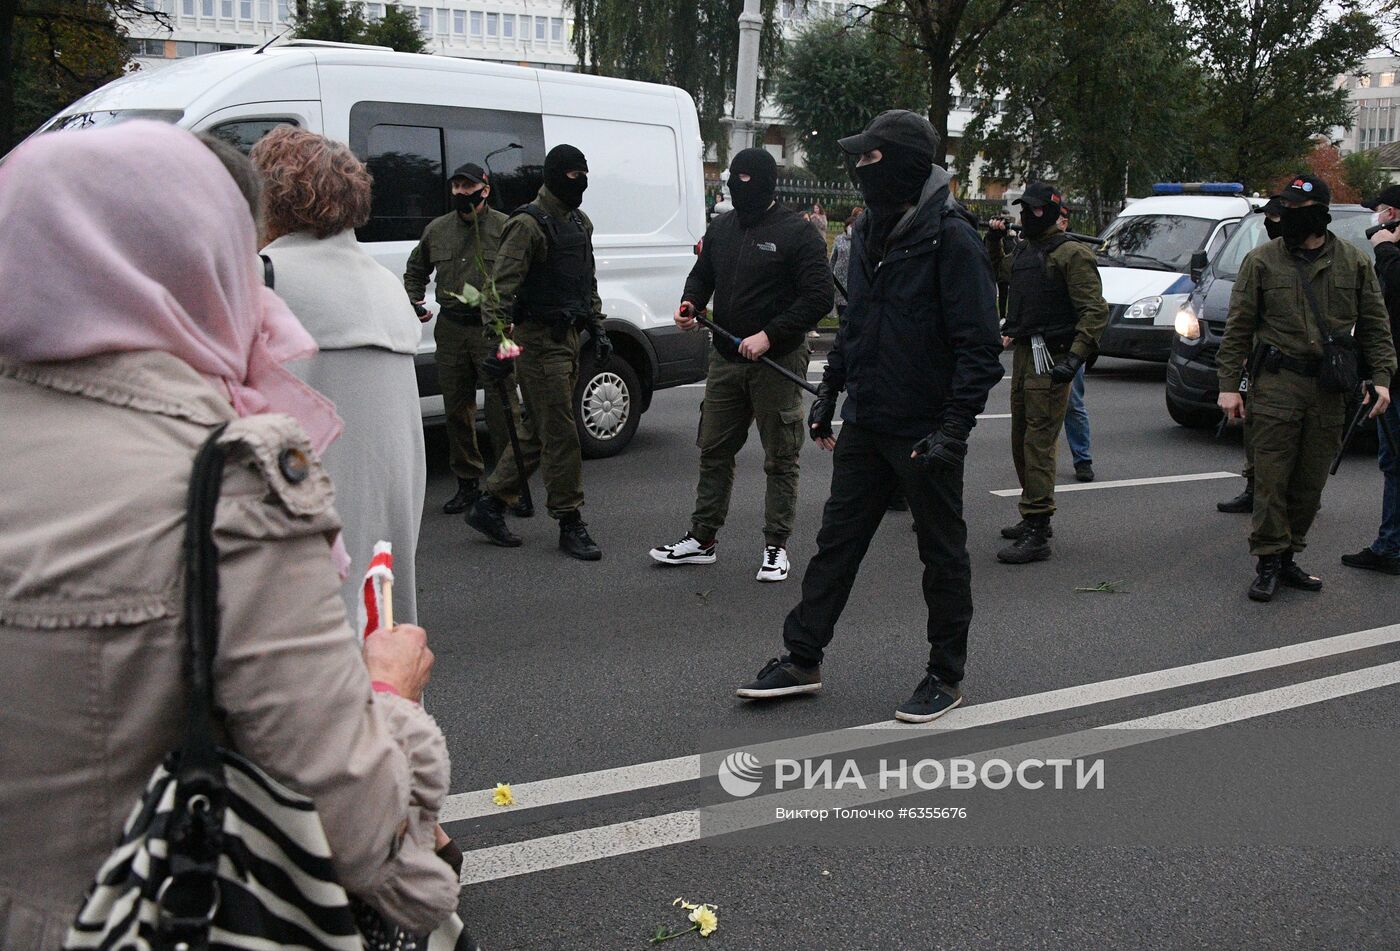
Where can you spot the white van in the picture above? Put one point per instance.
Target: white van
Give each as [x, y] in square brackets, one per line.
[413, 118]
[1147, 257]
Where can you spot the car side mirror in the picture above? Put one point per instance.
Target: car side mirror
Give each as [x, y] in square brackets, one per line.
[1198, 266]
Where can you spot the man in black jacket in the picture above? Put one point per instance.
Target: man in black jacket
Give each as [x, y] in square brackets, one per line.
[767, 270]
[1383, 554]
[917, 353]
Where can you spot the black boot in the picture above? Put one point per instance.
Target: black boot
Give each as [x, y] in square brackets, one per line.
[463, 500]
[574, 539]
[1265, 584]
[1241, 504]
[523, 509]
[488, 516]
[1014, 532]
[1295, 577]
[1033, 545]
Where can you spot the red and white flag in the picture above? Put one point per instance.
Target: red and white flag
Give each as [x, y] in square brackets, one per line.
[376, 607]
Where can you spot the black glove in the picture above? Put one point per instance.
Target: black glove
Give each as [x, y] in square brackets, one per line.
[823, 411]
[1065, 370]
[946, 448]
[497, 369]
[602, 345]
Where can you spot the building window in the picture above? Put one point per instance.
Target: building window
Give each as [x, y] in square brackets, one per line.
[541, 25]
[245, 9]
[493, 24]
[476, 23]
[187, 7]
[556, 30]
[459, 21]
[265, 11]
[281, 11]
[442, 21]
[374, 12]
[1363, 81]
[226, 9]
[1387, 79]
[508, 26]
[425, 19]
[152, 48]
[206, 8]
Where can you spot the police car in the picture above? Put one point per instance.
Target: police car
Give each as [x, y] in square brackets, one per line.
[1146, 256]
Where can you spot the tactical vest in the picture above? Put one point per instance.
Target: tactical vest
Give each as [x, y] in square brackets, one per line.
[560, 288]
[1039, 299]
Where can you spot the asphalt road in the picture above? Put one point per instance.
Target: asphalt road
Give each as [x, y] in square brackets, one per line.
[550, 669]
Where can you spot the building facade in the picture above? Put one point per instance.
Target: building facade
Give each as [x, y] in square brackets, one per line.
[1375, 96]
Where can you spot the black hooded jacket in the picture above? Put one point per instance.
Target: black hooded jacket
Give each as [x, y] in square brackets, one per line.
[772, 277]
[1388, 268]
[919, 344]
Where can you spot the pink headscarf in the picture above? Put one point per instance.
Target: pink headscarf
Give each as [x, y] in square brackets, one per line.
[135, 237]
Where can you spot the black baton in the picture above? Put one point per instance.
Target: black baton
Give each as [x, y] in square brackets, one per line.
[515, 442]
[716, 328]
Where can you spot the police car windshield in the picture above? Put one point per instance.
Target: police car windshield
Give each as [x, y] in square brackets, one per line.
[1164, 242]
[94, 120]
[1348, 224]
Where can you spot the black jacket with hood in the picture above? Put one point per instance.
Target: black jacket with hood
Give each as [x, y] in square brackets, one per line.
[918, 345]
[772, 276]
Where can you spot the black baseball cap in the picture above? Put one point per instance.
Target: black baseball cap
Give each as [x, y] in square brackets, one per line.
[897, 127]
[1305, 188]
[1040, 194]
[471, 172]
[1390, 195]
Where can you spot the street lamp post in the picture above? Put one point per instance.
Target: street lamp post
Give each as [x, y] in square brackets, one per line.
[742, 125]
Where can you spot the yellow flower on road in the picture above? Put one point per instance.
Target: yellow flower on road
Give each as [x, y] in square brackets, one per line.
[688, 906]
[706, 919]
[503, 795]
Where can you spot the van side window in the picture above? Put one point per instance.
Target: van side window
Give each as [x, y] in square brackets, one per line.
[395, 139]
[410, 184]
[1221, 236]
[243, 134]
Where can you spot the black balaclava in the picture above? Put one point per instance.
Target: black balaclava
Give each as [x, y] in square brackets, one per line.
[1036, 226]
[562, 159]
[1272, 228]
[467, 204]
[752, 198]
[1296, 225]
[896, 180]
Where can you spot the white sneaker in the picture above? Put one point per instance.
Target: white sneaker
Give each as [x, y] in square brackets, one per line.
[775, 564]
[687, 551]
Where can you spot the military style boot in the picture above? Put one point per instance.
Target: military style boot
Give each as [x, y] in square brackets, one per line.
[1014, 532]
[1265, 584]
[1295, 577]
[1033, 545]
[1241, 504]
[464, 499]
[574, 539]
[523, 509]
[488, 516]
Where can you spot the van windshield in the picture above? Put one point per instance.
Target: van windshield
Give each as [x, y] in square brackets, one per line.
[1347, 224]
[94, 120]
[1163, 242]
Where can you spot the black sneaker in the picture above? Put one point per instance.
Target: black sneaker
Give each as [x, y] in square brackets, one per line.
[1241, 504]
[487, 516]
[1295, 577]
[782, 678]
[932, 698]
[1368, 559]
[1265, 584]
[465, 498]
[1084, 471]
[1014, 532]
[575, 541]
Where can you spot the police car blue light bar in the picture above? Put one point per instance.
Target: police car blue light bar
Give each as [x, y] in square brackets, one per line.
[1198, 188]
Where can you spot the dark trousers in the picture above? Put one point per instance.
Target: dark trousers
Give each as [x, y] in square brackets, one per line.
[867, 469]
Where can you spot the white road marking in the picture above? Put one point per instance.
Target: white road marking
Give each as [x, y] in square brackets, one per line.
[1126, 483]
[995, 416]
[623, 838]
[681, 769]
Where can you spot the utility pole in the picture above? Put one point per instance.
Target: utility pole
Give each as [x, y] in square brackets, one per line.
[742, 125]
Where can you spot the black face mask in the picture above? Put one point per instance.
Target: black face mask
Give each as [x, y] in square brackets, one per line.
[1272, 228]
[561, 160]
[751, 198]
[466, 204]
[897, 179]
[1297, 225]
[1035, 227]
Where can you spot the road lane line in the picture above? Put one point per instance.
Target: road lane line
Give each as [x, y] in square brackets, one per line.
[681, 769]
[995, 416]
[1127, 483]
[623, 838]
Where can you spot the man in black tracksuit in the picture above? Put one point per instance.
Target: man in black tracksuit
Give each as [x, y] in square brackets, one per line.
[917, 352]
[767, 271]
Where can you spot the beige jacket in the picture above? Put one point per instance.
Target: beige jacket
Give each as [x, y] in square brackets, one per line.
[95, 457]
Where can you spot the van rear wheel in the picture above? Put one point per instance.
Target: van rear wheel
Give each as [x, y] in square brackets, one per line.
[607, 405]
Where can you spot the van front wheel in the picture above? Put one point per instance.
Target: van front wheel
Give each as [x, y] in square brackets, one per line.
[607, 405]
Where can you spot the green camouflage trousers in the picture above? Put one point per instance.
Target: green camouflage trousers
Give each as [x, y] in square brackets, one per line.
[460, 350]
[1037, 416]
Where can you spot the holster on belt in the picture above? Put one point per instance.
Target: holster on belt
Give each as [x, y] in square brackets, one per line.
[459, 315]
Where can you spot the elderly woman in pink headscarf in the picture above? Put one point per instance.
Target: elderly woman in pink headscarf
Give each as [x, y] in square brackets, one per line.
[133, 323]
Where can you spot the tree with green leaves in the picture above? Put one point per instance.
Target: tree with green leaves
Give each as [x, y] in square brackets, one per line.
[834, 78]
[1363, 172]
[693, 44]
[1269, 66]
[1095, 94]
[55, 51]
[344, 21]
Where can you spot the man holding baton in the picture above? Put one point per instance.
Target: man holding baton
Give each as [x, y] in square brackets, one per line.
[767, 271]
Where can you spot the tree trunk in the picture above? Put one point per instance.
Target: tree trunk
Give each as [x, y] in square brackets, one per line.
[9, 15]
[939, 101]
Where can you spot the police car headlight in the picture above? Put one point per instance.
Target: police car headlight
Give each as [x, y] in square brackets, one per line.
[1146, 309]
[1188, 325]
